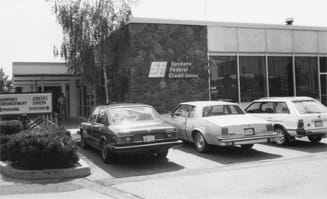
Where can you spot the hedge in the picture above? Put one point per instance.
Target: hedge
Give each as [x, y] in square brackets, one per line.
[8, 128]
[42, 148]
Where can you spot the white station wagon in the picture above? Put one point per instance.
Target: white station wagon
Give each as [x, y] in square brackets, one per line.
[219, 123]
[292, 117]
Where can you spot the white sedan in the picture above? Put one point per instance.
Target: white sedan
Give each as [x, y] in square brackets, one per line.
[219, 123]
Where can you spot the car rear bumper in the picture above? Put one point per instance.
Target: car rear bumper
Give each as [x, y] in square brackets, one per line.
[156, 146]
[320, 131]
[247, 140]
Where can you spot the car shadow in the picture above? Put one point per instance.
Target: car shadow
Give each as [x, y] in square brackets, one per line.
[229, 155]
[130, 165]
[304, 146]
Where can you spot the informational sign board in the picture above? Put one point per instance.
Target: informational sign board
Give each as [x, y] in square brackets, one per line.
[157, 69]
[25, 103]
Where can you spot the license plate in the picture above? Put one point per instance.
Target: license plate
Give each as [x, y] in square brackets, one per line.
[148, 138]
[318, 123]
[248, 131]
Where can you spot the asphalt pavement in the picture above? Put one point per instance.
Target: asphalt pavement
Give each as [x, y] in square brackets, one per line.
[267, 171]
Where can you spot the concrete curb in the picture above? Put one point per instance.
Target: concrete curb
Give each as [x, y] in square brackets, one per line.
[48, 174]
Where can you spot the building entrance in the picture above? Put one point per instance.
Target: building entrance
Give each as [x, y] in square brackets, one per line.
[55, 90]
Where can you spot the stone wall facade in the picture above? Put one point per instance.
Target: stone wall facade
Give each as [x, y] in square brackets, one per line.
[137, 45]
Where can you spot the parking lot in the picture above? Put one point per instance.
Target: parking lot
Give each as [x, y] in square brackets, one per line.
[185, 160]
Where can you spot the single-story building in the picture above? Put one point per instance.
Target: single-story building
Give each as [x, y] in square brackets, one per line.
[53, 77]
[164, 62]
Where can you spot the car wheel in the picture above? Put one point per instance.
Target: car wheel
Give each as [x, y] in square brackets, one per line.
[162, 154]
[281, 136]
[315, 139]
[83, 143]
[200, 143]
[247, 146]
[107, 156]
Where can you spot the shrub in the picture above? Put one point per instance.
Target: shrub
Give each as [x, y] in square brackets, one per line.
[8, 128]
[42, 148]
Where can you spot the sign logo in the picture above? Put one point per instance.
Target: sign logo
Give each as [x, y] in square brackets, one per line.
[157, 69]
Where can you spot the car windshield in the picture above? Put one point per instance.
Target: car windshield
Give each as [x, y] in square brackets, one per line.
[309, 106]
[133, 114]
[222, 110]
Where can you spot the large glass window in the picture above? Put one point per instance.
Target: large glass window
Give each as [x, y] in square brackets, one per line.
[224, 78]
[323, 64]
[253, 78]
[323, 82]
[323, 79]
[280, 74]
[306, 72]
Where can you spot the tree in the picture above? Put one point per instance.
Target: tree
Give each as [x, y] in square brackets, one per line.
[87, 24]
[5, 83]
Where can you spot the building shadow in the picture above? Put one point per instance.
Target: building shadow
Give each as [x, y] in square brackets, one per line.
[130, 165]
[229, 155]
[304, 146]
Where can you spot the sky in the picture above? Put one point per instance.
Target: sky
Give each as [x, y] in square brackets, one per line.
[29, 31]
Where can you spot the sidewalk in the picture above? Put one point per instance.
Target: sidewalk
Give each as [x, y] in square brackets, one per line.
[72, 124]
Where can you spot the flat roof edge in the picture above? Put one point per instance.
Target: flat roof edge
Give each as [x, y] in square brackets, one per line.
[135, 20]
[36, 62]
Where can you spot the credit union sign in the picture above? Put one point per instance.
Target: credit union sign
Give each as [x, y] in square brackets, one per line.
[25, 103]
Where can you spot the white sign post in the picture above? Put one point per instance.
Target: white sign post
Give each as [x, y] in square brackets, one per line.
[25, 103]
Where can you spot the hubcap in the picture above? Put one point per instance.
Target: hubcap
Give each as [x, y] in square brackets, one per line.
[82, 142]
[199, 141]
[104, 151]
[281, 136]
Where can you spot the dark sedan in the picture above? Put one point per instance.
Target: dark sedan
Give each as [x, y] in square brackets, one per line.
[127, 128]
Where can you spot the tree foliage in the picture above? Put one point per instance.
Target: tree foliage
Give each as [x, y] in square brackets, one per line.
[86, 26]
[5, 82]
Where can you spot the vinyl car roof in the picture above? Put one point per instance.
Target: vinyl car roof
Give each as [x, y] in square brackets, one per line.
[116, 105]
[208, 103]
[283, 98]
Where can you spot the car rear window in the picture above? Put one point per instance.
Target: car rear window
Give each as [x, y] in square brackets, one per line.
[133, 114]
[221, 110]
[309, 106]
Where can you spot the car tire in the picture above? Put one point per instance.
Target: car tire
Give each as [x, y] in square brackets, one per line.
[315, 139]
[247, 146]
[162, 154]
[107, 156]
[282, 138]
[83, 143]
[200, 143]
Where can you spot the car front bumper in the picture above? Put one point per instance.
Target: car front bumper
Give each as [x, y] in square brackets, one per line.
[247, 140]
[139, 148]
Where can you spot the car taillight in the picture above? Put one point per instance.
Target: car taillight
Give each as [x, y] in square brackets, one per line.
[124, 140]
[224, 132]
[300, 124]
[171, 133]
[269, 127]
